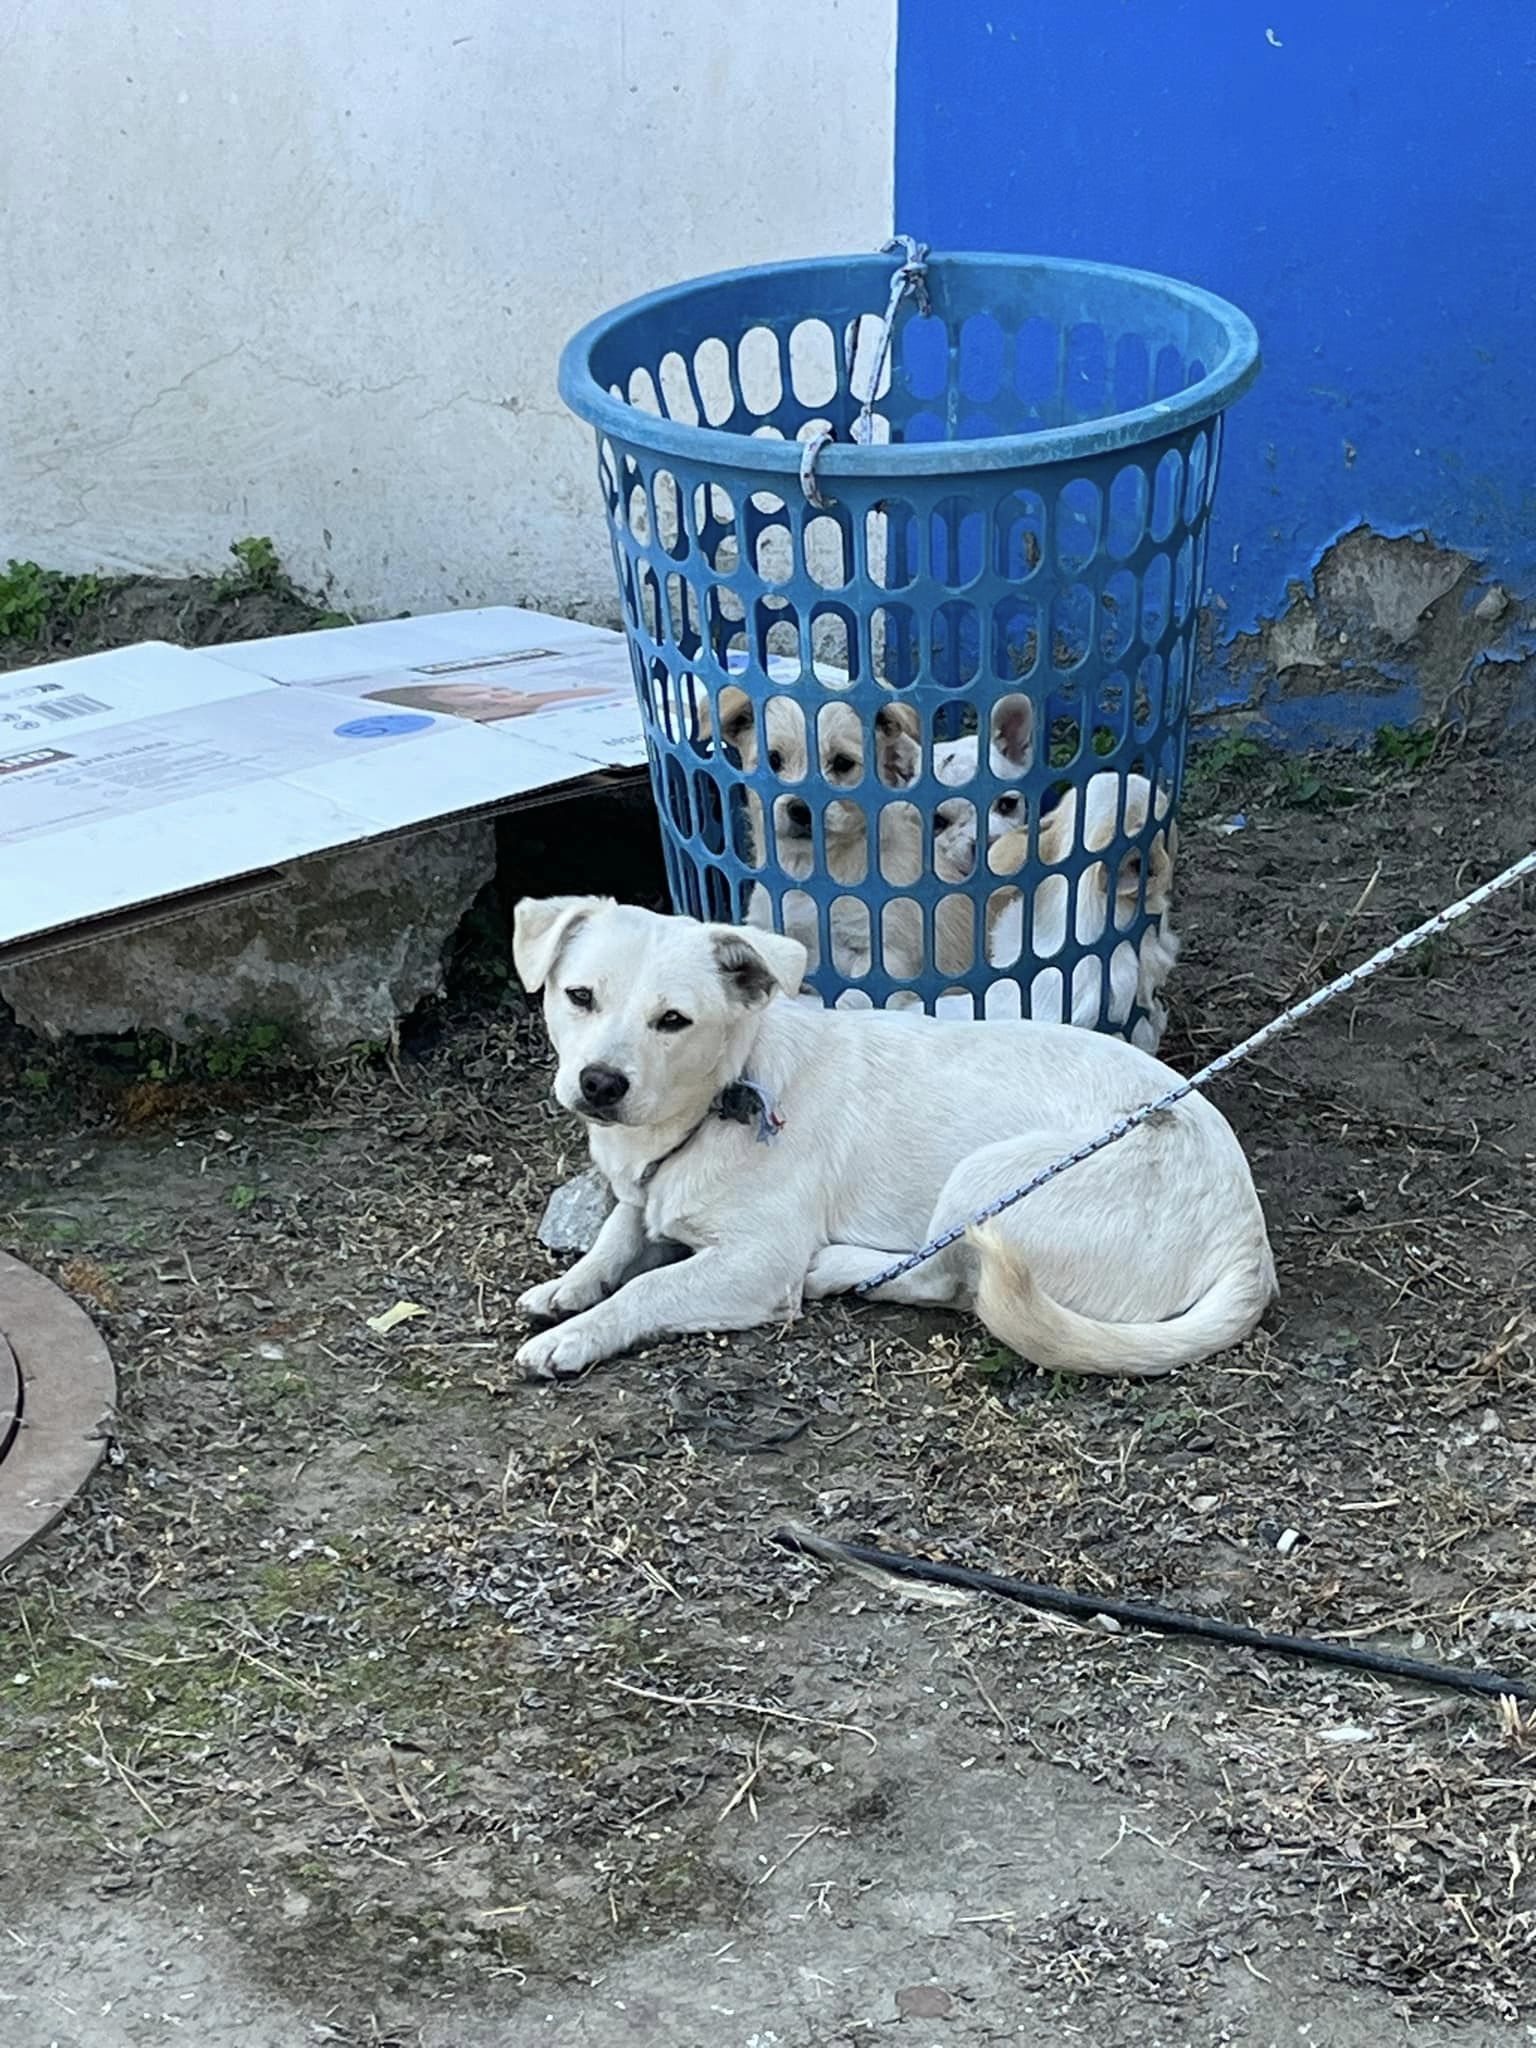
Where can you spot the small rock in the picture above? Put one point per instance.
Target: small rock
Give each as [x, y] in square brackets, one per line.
[576, 1213]
[924, 2002]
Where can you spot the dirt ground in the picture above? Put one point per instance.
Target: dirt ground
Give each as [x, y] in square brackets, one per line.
[373, 1696]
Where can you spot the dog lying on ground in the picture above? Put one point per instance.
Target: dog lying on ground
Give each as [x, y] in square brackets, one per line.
[796, 1151]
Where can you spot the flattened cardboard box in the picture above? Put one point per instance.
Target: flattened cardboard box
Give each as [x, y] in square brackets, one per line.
[137, 783]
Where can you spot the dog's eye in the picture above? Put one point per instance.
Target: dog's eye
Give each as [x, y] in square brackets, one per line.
[842, 764]
[672, 1020]
[775, 760]
[581, 999]
[1007, 807]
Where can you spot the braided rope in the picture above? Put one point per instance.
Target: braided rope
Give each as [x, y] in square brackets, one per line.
[910, 276]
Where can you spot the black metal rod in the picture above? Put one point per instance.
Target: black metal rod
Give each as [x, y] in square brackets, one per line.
[1165, 1620]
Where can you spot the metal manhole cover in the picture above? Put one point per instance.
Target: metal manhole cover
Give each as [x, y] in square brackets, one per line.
[57, 1396]
[10, 1397]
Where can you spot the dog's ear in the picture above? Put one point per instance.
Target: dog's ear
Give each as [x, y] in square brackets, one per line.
[1009, 851]
[541, 926]
[894, 720]
[693, 709]
[1165, 852]
[754, 964]
[737, 726]
[1058, 830]
[898, 744]
[1013, 729]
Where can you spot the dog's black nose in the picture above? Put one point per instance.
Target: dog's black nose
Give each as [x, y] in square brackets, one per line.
[798, 814]
[602, 1087]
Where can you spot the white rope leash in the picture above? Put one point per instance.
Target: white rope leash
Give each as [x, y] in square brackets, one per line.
[1287, 1019]
[910, 276]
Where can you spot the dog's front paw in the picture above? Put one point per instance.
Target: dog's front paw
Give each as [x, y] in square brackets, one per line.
[558, 1354]
[565, 1296]
[541, 1304]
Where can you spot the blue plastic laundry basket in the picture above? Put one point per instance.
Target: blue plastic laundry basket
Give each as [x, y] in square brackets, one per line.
[913, 626]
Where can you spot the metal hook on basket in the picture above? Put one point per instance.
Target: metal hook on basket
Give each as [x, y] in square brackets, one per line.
[914, 272]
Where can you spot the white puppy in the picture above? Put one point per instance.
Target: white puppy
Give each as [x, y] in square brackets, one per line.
[844, 825]
[777, 730]
[1136, 972]
[796, 1151]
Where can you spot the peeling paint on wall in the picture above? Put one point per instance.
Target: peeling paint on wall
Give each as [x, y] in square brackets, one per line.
[1390, 630]
[1358, 183]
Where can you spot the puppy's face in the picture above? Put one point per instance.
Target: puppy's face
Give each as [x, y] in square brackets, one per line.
[954, 762]
[954, 831]
[649, 1016]
[840, 756]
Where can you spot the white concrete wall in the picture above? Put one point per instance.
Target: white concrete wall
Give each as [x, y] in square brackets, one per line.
[304, 269]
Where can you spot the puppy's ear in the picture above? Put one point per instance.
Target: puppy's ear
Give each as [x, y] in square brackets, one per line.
[756, 964]
[1165, 852]
[1013, 730]
[693, 709]
[1058, 830]
[738, 728]
[541, 926]
[898, 744]
[1008, 853]
[896, 718]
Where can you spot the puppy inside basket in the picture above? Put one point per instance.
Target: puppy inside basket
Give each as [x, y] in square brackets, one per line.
[1137, 972]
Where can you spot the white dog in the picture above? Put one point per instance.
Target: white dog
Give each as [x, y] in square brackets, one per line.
[1136, 973]
[797, 1151]
[844, 824]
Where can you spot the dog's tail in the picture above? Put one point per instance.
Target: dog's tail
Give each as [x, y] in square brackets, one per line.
[1019, 1313]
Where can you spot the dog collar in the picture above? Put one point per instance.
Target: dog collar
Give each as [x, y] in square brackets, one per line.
[739, 1102]
[743, 1102]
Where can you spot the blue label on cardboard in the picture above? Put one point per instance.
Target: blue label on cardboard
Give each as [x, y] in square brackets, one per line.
[385, 725]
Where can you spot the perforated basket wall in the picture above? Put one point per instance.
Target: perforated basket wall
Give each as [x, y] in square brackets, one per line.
[935, 725]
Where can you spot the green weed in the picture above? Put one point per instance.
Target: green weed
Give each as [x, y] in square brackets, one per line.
[1405, 748]
[257, 568]
[32, 598]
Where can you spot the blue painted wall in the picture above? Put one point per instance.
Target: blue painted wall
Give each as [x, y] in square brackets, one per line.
[1358, 175]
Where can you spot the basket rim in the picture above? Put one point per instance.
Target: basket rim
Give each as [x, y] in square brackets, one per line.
[627, 424]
